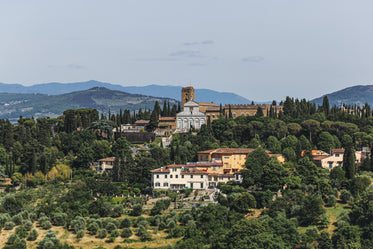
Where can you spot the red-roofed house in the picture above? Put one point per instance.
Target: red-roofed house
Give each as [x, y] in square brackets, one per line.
[191, 175]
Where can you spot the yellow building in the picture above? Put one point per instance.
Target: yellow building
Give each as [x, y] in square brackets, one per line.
[233, 159]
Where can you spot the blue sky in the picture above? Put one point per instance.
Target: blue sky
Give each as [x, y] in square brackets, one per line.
[262, 49]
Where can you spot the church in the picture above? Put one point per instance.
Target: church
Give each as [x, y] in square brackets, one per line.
[190, 116]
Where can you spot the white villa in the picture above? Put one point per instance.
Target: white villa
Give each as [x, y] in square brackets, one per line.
[190, 117]
[190, 175]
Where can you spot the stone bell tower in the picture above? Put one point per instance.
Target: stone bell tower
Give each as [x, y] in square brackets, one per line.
[187, 94]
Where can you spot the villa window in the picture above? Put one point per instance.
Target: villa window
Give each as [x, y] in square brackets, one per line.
[182, 176]
[157, 176]
[201, 184]
[201, 176]
[165, 176]
[165, 184]
[191, 176]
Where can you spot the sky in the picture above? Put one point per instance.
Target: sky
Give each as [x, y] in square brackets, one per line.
[259, 49]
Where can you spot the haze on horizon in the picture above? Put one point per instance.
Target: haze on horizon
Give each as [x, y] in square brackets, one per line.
[261, 50]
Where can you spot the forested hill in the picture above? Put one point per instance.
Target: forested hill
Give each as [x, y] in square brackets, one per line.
[173, 92]
[40, 105]
[355, 95]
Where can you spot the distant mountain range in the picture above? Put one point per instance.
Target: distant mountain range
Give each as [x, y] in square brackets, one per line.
[41, 105]
[355, 95]
[172, 92]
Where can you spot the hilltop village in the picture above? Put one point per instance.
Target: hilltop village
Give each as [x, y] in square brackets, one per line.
[193, 175]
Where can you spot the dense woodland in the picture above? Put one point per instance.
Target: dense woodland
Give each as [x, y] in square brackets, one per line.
[48, 161]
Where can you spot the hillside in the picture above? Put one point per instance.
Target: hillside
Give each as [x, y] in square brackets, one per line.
[355, 95]
[100, 98]
[173, 92]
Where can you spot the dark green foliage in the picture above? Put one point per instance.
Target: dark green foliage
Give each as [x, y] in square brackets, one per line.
[243, 202]
[32, 235]
[59, 219]
[311, 210]
[160, 206]
[126, 222]
[349, 162]
[9, 225]
[101, 233]
[22, 232]
[49, 241]
[136, 210]
[126, 232]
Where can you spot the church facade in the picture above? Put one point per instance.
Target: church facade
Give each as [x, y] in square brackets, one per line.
[190, 117]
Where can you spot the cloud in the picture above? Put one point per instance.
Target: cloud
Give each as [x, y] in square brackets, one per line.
[68, 66]
[75, 66]
[157, 59]
[186, 53]
[206, 42]
[197, 64]
[255, 59]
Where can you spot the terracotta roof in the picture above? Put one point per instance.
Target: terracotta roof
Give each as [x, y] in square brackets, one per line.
[160, 170]
[204, 164]
[194, 171]
[167, 119]
[341, 150]
[315, 153]
[230, 151]
[213, 109]
[141, 121]
[108, 159]
[207, 103]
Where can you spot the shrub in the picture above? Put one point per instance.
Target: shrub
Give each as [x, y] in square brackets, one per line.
[139, 220]
[9, 225]
[160, 206]
[176, 232]
[4, 218]
[117, 211]
[22, 232]
[17, 219]
[110, 227]
[126, 222]
[93, 228]
[50, 241]
[113, 235]
[27, 224]
[80, 234]
[346, 196]
[13, 239]
[331, 201]
[101, 233]
[126, 232]
[78, 224]
[136, 210]
[33, 235]
[59, 219]
[44, 222]
[143, 233]
[46, 225]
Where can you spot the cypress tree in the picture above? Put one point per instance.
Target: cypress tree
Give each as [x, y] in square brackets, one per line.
[349, 165]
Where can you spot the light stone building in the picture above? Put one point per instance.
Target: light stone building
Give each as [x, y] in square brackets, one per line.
[190, 175]
[190, 117]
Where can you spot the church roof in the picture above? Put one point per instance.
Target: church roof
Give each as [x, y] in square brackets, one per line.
[191, 103]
